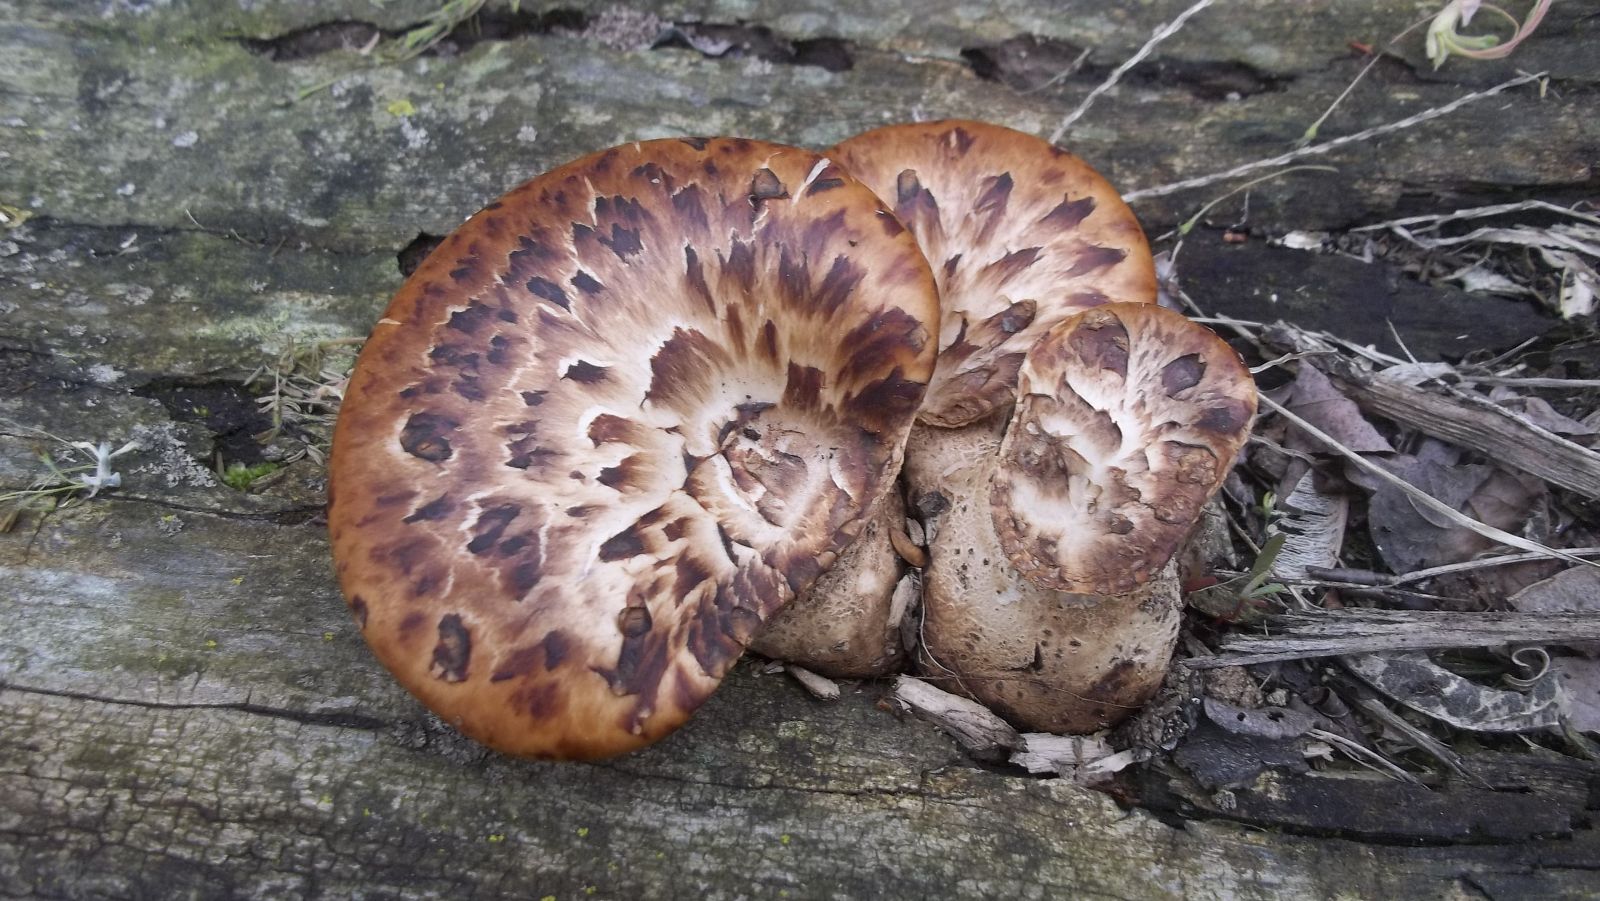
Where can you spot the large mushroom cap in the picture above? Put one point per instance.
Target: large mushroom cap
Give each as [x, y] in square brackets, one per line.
[1020, 235]
[1128, 419]
[612, 424]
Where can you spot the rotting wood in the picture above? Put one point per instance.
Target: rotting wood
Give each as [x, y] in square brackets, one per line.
[1296, 636]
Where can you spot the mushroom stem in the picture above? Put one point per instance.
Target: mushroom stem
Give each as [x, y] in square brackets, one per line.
[846, 626]
[1046, 660]
[1052, 593]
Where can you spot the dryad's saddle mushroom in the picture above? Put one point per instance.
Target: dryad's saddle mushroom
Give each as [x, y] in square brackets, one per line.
[1047, 594]
[613, 423]
[1020, 235]
[1051, 595]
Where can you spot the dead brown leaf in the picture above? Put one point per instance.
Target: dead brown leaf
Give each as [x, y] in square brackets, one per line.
[1315, 399]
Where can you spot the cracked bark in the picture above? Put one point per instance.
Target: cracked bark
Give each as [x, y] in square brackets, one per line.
[185, 710]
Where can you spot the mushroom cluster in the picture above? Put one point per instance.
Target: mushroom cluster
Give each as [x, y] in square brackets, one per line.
[1070, 436]
[626, 414]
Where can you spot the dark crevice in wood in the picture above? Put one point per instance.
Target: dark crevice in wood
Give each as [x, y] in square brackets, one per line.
[714, 40]
[293, 516]
[336, 720]
[226, 409]
[1028, 62]
[412, 255]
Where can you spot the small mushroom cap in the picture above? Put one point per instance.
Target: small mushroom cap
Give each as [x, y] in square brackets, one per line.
[612, 424]
[1129, 417]
[1020, 235]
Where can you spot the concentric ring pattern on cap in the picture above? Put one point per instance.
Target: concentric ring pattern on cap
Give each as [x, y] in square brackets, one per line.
[613, 423]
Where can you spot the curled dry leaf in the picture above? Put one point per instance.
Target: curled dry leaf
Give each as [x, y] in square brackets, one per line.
[1416, 681]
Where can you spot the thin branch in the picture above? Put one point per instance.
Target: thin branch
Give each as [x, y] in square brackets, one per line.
[1378, 580]
[1478, 212]
[1364, 756]
[1161, 34]
[1377, 131]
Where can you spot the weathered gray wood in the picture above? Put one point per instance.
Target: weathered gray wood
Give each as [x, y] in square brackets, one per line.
[185, 710]
[1295, 636]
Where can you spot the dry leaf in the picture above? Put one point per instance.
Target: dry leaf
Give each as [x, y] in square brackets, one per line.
[1411, 536]
[1575, 590]
[1315, 399]
[1428, 688]
[1579, 679]
[1537, 410]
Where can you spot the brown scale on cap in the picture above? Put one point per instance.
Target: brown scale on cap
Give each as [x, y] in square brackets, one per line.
[1020, 234]
[612, 424]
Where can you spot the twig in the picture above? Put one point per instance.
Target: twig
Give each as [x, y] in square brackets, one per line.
[1377, 131]
[1528, 382]
[1378, 580]
[1362, 755]
[1161, 34]
[1478, 212]
[1298, 636]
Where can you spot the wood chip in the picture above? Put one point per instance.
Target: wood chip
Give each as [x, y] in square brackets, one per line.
[1045, 753]
[975, 727]
[821, 687]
